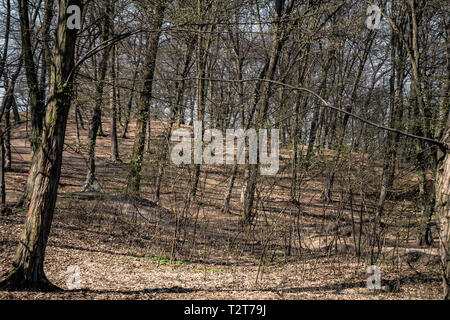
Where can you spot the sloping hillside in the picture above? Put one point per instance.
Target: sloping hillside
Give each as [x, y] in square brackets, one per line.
[138, 249]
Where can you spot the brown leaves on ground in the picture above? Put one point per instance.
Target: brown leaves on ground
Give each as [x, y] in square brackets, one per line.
[122, 247]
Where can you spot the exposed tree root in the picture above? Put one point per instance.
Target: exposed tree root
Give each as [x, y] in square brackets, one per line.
[15, 280]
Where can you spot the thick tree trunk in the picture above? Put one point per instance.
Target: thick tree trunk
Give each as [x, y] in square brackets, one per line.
[46, 40]
[428, 193]
[443, 181]
[28, 266]
[443, 211]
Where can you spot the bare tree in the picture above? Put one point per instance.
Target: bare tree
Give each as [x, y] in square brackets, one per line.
[28, 267]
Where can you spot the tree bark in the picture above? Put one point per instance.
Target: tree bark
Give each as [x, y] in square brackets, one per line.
[443, 211]
[301, 101]
[37, 96]
[6, 38]
[114, 144]
[143, 113]
[7, 139]
[97, 108]
[261, 101]
[174, 112]
[2, 172]
[129, 105]
[28, 266]
[8, 103]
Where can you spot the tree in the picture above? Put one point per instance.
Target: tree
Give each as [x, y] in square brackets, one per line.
[114, 107]
[262, 95]
[443, 210]
[28, 267]
[143, 112]
[96, 114]
[36, 89]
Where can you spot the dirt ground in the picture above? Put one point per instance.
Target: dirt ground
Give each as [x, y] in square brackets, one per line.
[125, 249]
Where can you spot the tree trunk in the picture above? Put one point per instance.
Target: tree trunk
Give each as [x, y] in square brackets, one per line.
[143, 114]
[2, 171]
[7, 139]
[443, 211]
[202, 57]
[426, 237]
[314, 122]
[95, 124]
[296, 134]
[174, 112]
[28, 266]
[261, 101]
[368, 42]
[36, 92]
[114, 144]
[100, 131]
[129, 105]
[228, 193]
[239, 61]
[15, 112]
[6, 38]
[8, 103]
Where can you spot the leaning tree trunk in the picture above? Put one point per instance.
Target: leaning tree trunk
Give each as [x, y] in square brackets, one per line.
[28, 266]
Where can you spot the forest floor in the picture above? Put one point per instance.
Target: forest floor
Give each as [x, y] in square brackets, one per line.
[128, 249]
